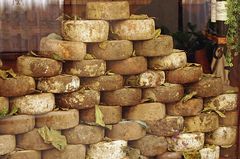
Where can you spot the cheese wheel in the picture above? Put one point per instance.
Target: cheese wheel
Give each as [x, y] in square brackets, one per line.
[34, 104]
[205, 122]
[223, 102]
[150, 145]
[17, 124]
[188, 74]
[223, 136]
[58, 120]
[229, 153]
[4, 104]
[82, 99]
[170, 155]
[212, 152]
[107, 150]
[59, 84]
[167, 93]
[70, 152]
[86, 68]
[207, 87]
[32, 141]
[186, 142]
[169, 126]
[140, 29]
[108, 10]
[161, 46]
[25, 154]
[130, 66]
[145, 112]
[19, 86]
[84, 134]
[38, 67]
[7, 144]
[111, 114]
[85, 30]
[191, 107]
[231, 119]
[169, 62]
[126, 130]
[146, 79]
[103, 83]
[122, 97]
[65, 50]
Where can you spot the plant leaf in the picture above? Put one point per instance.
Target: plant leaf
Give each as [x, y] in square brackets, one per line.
[148, 100]
[134, 53]
[193, 65]
[3, 112]
[142, 123]
[212, 108]
[89, 57]
[99, 116]
[109, 73]
[138, 17]
[157, 33]
[189, 96]
[4, 74]
[31, 53]
[54, 137]
[57, 57]
[192, 155]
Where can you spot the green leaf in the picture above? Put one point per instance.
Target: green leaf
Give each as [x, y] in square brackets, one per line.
[99, 116]
[57, 57]
[54, 137]
[89, 57]
[54, 36]
[13, 111]
[4, 74]
[189, 96]
[192, 155]
[138, 17]
[3, 112]
[157, 33]
[103, 45]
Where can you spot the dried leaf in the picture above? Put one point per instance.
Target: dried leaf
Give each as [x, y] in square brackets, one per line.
[138, 17]
[4, 74]
[193, 65]
[166, 84]
[143, 124]
[103, 45]
[54, 137]
[31, 53]
[157, 33]
[99, 116]
[192, 155]
[57, 57]
[134, 53]
[189, 96]
[227, 146]
[89, 57]
[107, 139]
[212, 108]
[54, 36]
[148, 100]
[231, 92]
[177, 50]
[210, 76]
[109, 73]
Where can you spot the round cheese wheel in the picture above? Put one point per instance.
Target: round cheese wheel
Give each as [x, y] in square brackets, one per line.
[140, 29]
[185, 75]
[82, 99]
[207, 87]
[86, 68]
[210, 152]
[130, 66]
[25, 154]
[111, 114]
[170, 62]
[191, 107]
[32, 141]
[126, 130]
[65, 50]
[4, 104]
[85, 30]
[19, 86]
[167, 93]
[7, 144]
[70, 152]
[38, 67]
[186, 142]
[145, 112]
[17, 124]
[169, 126]
[59, 84]
[231, 119]
[146, 79]
[122, 97]
[84, 134]
[103, 83]
[150, 145]
[34, 104]
[108, 10]
[112, 49]
[161, 46]
[58, 120]
[107, 150]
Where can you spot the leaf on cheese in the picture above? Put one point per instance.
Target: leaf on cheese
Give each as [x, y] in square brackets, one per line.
[103, 45]
[192, 155]
[57, 57]
[4, 74]
[157, 33]
[89, 57]
[138, 17]
[54, 36]
[99, 116]
[189, 96]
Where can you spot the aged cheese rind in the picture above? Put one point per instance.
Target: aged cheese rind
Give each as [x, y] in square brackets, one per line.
[84, 134]
[58, 120]
[85, 30]
[161, 46]
[130, 66]
[111, 114]
[7, 144]
[65, 50]
[25, 154]
[34, 104]
[103, 83]
[145, 112]
[19, 86]
[112, 49]
[38, 67]
[170, 62]
[81, 99]
[108, 10]
[86, 68]
[231, 119]
[210, 152]
[133, 29]
[17, 124]
[4, 104]
[59, 84]
[122, 97]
